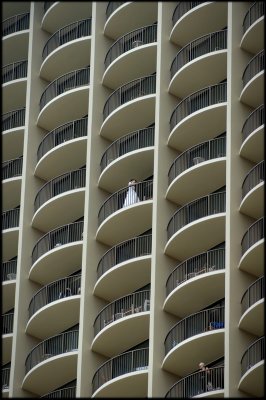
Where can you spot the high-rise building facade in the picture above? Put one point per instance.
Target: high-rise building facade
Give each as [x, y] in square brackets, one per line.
[132, 199]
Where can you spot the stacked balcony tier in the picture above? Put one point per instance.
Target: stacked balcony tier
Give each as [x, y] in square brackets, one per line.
[13, 134]
[253, 81]
[11, 184]
[252, 147]
[253, 28]
[9, 274]
[14, 79]
[7, 336]
[10, 230]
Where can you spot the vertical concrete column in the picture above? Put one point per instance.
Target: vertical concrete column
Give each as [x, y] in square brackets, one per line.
[236, 281]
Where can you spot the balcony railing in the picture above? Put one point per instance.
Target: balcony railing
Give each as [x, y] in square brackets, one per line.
[12, 168]
[254, 233]
[10, 218]
[131, 361]
[125, 197]
[59, 289]
[131, 142]
[127, 305]
[9, 270]
[69, 81]
[5, 378]
[130, 91]
[204, 206]
[7, 323]
[197, 383]
[73, 31]
[212, 260]
[56, 345]
[69, 131]
[16, 23]
[195, 324]
[253, 355]
[254, 121]
[136, 38]
[182, 8]
[203, 45]
[255, 176]
[127, 250]
[61, 184]
[214, 148]
[13, 119]
[255, 66]
[253, 294]
[68, 392]
[112, 6]
[15, 70]
[65, 234]
[256, 11]
[47, 5]
[206, 97]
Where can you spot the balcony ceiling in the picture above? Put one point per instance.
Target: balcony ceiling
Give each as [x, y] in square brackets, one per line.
[11, 189]
[252, 95]
[9, 243]
[8, 295]
[14, 95]
[252, 260]
[15, 47]
[6, 348]
[253, 39]
[253, 147]
[252, 382]
[253, 203]
[12, 143]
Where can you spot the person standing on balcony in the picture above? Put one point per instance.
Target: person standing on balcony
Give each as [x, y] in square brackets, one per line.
[206, 384]
[131, 196]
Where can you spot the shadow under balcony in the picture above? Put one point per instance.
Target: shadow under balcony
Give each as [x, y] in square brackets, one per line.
[192, 19]
[7, 336]
[122, 324]
[252, 203]
[253, 82]
[11, 182]
[190, 69]
[131, 56]
[200, 334]
[132, 152]
[5, 381]
[252, 260]
[61, 297]
[197, 171]
[195, 283]
[10, 230]
[116, 376]
[67, 49]
[130, 209]
[66, 192]
[252, 369]
[196, 226]
[124, 268]
[55, 359]
[253, 28]
[14, 85]
[13, 125]
[252, 303]
[136, 98]
[15, 37]
[9, 274]
[56, 103]
[252, 146]
[57, 254]
[62, 150]
[200, 116]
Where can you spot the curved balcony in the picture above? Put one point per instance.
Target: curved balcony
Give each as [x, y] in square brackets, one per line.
[9, 272]
[66, 191]
[253, 81]
[116, 322]
[252, 260]
[196, 59]
[135, 48]
[252, 303]
[5, 381]
[13, 124]
[192, 19]
[7, 336]
[11, 182]
[253, 136]
[124, 268]
[253, 28]
[115, 376]
[252, 203]
[252, 369]
[129, 208]
[67, 392]
[56, 103]
[195, 283]
[62, 248]
[58, 298]
[10, 229]
[201, 223]
[199, 383]
[200, 334]
[67, 49]
[134, 98]
[63, 149]
[132, 152]
[14, 80]
[123, 17]
[56, 359]
[187, 174]
[200, 116]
